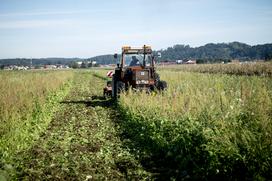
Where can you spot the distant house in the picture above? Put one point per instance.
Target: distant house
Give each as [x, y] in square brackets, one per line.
[7, 68]
[166, 63]
[60, 66]
[235, 61]
[190, 62]
[111, 65]
[15, 67]
[179, 61]
[21, 68]
[50, 66]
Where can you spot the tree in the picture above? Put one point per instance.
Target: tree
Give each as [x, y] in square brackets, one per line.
[84, 64]
[74, 65]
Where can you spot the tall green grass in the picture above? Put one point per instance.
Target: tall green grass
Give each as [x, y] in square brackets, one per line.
[259, 69]
[205, 125]
[27, 100]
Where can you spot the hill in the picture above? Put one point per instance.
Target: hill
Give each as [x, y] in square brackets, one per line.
[217, 52]
[211, 53]
[37, 61]
[208, 53]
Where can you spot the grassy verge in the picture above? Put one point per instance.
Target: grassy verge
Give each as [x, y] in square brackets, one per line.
[29, 99]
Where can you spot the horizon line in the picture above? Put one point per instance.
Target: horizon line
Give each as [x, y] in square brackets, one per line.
[112, 54]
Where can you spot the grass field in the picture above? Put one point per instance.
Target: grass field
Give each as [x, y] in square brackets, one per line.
[205, 126]
[258, 69]
[27, 102]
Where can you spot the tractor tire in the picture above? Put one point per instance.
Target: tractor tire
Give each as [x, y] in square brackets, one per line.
[117, 87]
[157, 77]
[114, 87]
[161, 85]
[120, 87]
[109, 82]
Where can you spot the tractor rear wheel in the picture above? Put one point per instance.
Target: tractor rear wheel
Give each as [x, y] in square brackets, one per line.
[161, 85]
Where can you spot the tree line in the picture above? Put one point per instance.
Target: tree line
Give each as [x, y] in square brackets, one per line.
[37, 61]
[218, 52]
[209, 53]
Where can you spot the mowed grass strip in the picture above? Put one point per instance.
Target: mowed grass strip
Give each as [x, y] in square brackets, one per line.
[82, 141]
[27, 101]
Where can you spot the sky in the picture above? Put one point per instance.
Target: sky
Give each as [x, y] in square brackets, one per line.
[86, 28]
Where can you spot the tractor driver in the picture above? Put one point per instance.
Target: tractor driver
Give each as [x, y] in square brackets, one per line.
[134, 61]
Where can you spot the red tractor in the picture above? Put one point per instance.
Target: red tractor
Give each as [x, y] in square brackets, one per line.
[136, 70]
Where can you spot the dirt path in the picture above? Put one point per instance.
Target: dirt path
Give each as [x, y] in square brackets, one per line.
[82, 141]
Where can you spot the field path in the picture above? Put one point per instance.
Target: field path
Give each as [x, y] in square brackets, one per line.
[81, 142]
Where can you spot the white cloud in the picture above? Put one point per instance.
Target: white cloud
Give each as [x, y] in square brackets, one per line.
[39, 13]
[25, 24]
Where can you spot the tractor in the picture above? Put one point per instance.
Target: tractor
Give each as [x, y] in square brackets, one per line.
[136, 70]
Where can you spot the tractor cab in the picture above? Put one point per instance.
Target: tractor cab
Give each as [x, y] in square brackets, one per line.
[133, 57]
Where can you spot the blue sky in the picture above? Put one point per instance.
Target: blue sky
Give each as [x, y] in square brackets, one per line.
[85, 28]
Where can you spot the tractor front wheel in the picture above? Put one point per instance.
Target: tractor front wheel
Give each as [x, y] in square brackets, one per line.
[117, 87]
